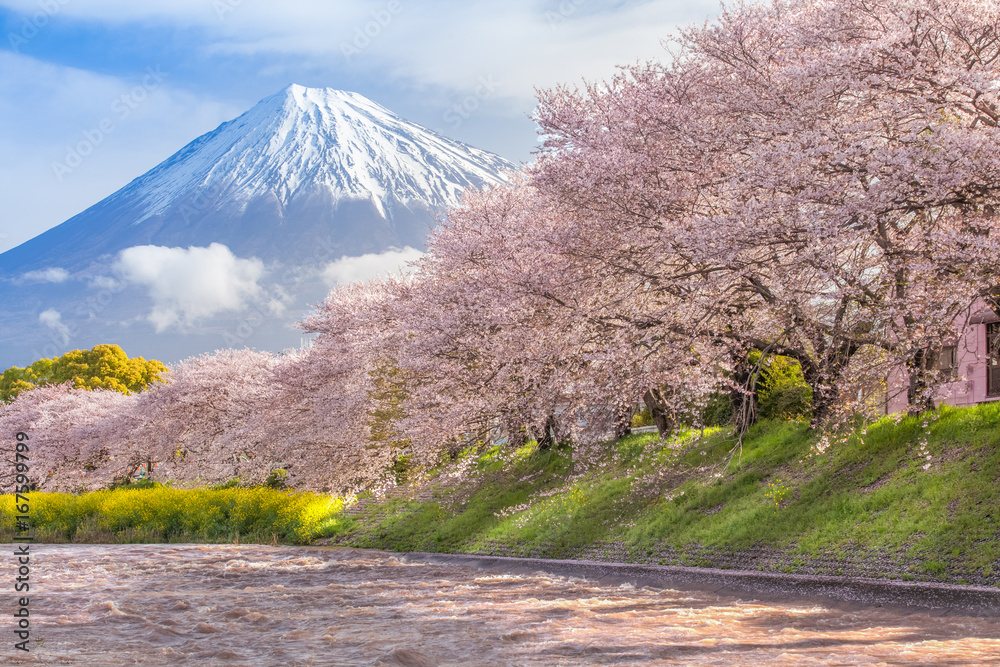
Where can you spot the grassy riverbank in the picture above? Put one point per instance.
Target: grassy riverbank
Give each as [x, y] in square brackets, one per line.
[163, 514]
[917, 500]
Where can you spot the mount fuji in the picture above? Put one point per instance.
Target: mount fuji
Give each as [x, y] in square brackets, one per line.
[186, 258]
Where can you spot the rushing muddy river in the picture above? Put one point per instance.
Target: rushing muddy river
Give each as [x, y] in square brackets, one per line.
[259, 605]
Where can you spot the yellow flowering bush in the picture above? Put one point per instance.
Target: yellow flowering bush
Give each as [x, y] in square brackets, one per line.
[166, 514]
[775, 493]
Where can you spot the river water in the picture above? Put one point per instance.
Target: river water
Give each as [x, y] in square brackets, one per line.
[261, 605]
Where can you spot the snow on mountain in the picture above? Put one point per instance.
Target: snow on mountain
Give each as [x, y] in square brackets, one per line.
[303, 166]
[283, 193]
[304, 137]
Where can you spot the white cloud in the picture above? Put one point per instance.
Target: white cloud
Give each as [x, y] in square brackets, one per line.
[193, 283]
[52, 318]
[105, 282]
[450, 43]
[353, 269]
[454, 45]
[50, 275]
[525, 44]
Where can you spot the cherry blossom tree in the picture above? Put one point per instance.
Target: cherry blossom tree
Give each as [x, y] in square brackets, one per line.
[524, 334]
[74, 436]
[345, 395]
[195, 428]
[827, 170]
[809, 178]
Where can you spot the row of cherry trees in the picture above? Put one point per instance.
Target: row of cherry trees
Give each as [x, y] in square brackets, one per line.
[820, 177]
[812, 178]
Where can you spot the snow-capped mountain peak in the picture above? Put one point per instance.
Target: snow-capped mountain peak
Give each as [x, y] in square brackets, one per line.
[314, 137]
[307, 179]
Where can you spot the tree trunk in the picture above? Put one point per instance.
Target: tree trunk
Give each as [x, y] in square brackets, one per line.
[824, 395]
[826, 383]
[661, 411]
[549, 436]
[822, 406]
[744, 397]
[623, 423]
[516, 435]
[919, 398]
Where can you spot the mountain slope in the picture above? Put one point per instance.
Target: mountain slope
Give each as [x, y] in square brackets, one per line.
[302, 164]
[304, 178]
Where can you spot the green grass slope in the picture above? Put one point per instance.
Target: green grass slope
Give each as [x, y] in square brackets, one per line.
[911, 498]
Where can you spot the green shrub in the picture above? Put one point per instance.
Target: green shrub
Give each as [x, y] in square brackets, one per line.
[276, 479]
[401, 468]
[128, 483]
[782, 391]
[719, 410]
[642, 418]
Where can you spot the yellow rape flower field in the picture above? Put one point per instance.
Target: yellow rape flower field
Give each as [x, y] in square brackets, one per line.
[164, 514]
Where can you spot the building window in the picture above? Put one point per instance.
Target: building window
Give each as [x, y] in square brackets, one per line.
[947, 358]
[993, 361]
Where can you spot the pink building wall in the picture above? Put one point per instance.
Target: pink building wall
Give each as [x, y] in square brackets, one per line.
[972, 360]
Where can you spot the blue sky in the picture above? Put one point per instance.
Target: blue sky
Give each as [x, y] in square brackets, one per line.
[141, 79]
